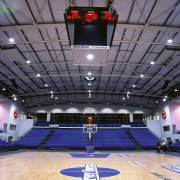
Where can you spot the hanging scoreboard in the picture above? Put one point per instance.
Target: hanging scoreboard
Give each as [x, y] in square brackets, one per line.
[90, 31]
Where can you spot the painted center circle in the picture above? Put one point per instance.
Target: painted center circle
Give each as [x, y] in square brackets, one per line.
[79, 172]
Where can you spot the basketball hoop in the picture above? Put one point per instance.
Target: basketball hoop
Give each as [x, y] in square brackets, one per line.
[89, 128]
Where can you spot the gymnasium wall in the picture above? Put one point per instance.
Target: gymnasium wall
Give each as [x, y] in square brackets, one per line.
[80, 108]
[154, 127]
[4, 112]
[16, 126]
[14, 121]
[168, 113]
[11, 114]
[175, 114]
[25, 126]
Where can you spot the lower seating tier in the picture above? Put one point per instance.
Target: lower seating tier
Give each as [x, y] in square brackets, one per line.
[74, 138]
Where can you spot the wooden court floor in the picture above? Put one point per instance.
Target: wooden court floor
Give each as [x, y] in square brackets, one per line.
[46, 165]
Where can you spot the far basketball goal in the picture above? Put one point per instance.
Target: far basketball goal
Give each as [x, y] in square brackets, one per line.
[90, 128]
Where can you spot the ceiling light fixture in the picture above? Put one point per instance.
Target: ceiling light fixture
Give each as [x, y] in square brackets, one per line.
[89, 96]
[89, 73]
[90, 79]
[46, 85]
[87, 78]
[152, 62]
[52, 95]
[15, 98]
[28, 61]
[176, 90]
[89, 84]
[11, 40]
[128, 94]
[90, 56]
[93, 78]
[164, 99]
[142, 75]
[134, 85]
[38, 75]
[169, 41]
[3, 89]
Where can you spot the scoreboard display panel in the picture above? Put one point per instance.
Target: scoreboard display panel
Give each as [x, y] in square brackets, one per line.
[90, 31]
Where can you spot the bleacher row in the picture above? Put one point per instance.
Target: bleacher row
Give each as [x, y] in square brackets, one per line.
[76, 139]
[34, 138]
[99, 124]
[67, 138]
[112, 139]
[144, 138]
[175, 146]
[6, 145]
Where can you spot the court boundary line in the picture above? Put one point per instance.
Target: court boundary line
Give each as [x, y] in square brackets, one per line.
[163, 158]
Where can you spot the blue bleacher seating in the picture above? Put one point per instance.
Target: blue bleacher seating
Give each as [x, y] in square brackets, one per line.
[175, 146]
[112, 138]
[6, 145]
[34, 138]
[144, 137]
[74, 138]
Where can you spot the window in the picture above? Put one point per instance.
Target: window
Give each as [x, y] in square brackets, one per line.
[12, 127]
[166, 128]
[23, 116]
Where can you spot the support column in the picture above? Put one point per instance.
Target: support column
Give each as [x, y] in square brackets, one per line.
[131, 117]
[48, 117]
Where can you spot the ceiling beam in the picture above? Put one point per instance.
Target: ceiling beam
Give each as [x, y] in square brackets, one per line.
[62, 25]
[97, 75]
[66, 40]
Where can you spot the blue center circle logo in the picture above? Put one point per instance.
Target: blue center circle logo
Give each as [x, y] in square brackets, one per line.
[89, 171]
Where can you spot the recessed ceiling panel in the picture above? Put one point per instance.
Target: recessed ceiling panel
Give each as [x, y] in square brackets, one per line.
[90, 57]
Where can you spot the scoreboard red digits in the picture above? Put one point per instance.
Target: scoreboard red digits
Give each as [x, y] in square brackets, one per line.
[108, 16]
[91, 16]
[74, 16]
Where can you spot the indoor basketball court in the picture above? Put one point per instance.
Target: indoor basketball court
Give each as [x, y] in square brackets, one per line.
[90, 164]
[117, 165]
[89, 89]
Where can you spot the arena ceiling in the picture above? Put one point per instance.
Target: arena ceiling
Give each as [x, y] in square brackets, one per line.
[141, 69]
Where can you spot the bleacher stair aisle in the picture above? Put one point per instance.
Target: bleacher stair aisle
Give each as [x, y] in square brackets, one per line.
[145, 138]
[137, 146]
[42, 145]
[33, 139]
